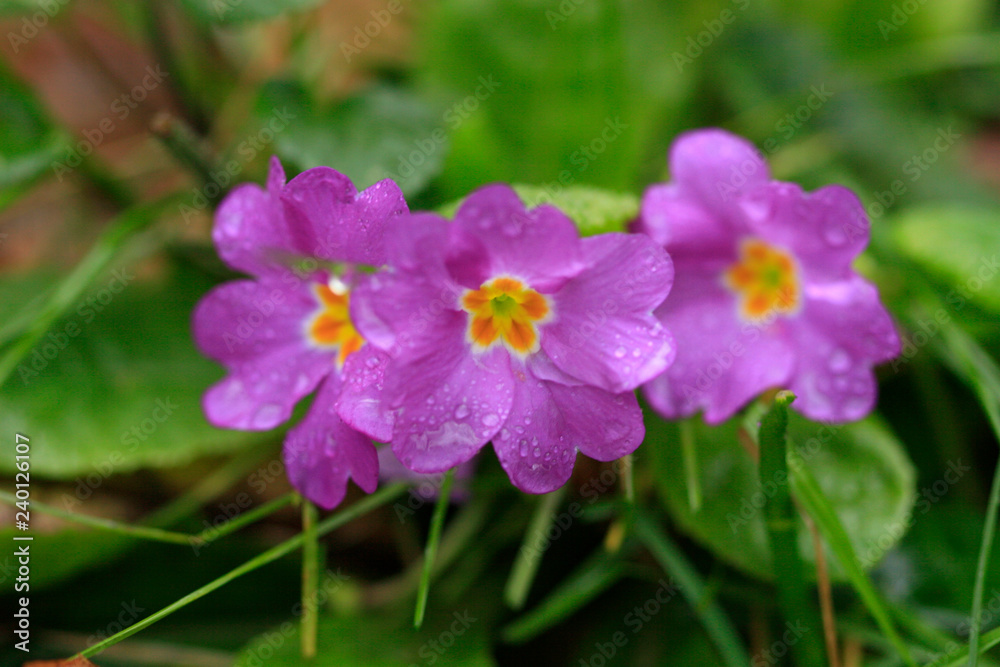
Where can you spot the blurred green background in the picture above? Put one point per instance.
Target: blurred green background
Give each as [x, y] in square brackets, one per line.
[122, 124]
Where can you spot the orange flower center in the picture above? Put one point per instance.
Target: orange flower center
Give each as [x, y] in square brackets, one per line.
[765, 279]
[505, 309]
[331, 327]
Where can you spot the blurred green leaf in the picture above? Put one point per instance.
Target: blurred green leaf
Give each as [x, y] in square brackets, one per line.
[116, 385]
[555, 92]
[57, 556]
[959, 245]
[861, 468]
[29, 144]
[595, 211]
[378, 639]
[242, 11]
[382, 132]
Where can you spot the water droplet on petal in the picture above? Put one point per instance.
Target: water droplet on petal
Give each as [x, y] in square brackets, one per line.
[461, 412]
[620, 352]
[839, 361]
[835, 235]
[491, 419]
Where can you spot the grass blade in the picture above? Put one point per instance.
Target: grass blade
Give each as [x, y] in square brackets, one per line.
[711, 615]
[528, 557]
[430, 551]
[808, 492]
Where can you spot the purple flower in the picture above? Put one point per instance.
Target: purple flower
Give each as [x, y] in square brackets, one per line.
[504, 325]
[288, 331]
[765, 295]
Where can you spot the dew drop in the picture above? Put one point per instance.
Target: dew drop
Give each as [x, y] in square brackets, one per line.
[491, 419]
[620, 352]
[839, 361]
[835, 236]
[461, 412]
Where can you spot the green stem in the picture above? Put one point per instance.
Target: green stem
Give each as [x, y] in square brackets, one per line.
[108, 525]
[809, 493]
[528, 556]
[182, 142]
[359, 508]
[246, 518]
[73, 286]
[711, 615]
[310, 580]
[690, 456]
[430, 551]
[782, 530]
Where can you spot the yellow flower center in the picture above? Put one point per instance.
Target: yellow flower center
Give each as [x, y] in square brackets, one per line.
[331, 327]
[505, 309]
[765, 279]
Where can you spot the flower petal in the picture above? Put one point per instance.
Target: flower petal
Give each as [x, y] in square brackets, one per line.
[448, 402]
[680, 223]
[549, 422]
[322, 452]
[715, 167]
[360, 403]
[604, 332]
[540, 246]
[844, 330]
[256, 329]
[411, 297]
[825, 229]
[721, 363]
[250, 231]
[338, 223]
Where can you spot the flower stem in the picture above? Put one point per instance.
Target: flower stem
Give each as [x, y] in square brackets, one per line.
[310, 579]
[690, 454]
[430, 551]
[359, 508]
[782, 530]
[528, 556]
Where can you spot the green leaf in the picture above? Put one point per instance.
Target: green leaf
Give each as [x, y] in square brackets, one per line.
[378, 639]
[556, 93]
[58, 556]
[29, 144]
[595, 211]
[959, 245]
[382, 132]
[861, 468]
[116, 385]
[243, 11]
